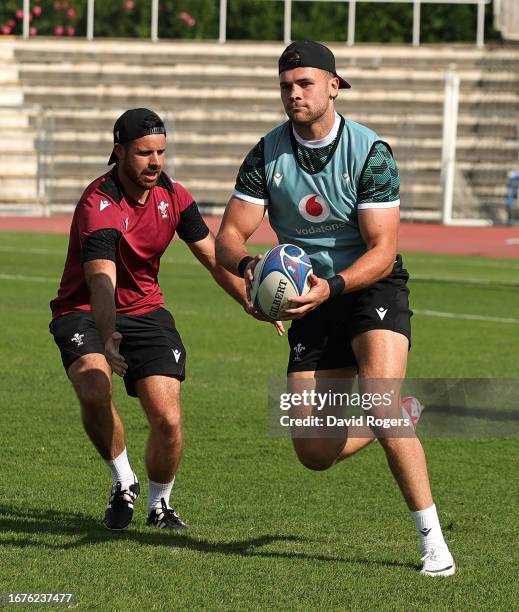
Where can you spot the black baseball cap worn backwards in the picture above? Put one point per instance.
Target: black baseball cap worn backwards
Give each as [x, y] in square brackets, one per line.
[135, 123]
[310, 54]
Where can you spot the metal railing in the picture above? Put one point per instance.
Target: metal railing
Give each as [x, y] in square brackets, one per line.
[287, 29]
[154, 26]
[352, 5]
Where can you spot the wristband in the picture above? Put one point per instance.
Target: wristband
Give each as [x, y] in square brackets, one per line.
[243, 264]
[337, 285]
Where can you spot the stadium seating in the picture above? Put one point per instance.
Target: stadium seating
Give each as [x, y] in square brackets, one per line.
[219, 99]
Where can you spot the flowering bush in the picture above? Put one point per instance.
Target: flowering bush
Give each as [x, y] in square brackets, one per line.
[46, 17]
[247, 20]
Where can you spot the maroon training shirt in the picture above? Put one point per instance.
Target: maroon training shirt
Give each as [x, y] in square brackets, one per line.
[147, 229]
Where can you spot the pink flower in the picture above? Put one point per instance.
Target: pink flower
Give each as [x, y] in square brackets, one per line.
[187, 19]
[33, 31]
[36, 11]
[57, 6]
[5, 29]
[11, 23]
[129, 5]
[71, 13]
[71, 31]
[58, 30]
[19, 14]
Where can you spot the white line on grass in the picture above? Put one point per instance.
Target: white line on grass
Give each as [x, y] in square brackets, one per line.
[464, 281]
[466, 262]
[427, 313]
[30, 279]
[8, 249]
[36, 251]
[193, 262]
[465, 317]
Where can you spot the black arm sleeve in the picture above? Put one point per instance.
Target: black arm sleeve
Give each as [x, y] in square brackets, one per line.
[380, 179]
[251, 180]
[191, 227]
[101, 244]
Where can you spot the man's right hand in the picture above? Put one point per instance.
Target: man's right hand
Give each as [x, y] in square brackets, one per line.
[114, 358]
[249, 277]
[248, 304]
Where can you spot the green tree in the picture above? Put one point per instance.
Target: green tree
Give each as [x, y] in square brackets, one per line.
[249, 20]
[255, 20]
[204, 12]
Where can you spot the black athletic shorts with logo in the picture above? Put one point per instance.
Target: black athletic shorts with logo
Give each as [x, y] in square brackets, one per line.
[321, 340]
[151, 344]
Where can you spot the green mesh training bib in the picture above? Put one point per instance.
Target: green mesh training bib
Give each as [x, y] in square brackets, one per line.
[318, 211]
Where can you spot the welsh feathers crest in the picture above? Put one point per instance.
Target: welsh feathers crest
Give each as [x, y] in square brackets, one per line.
[163, 207]
[78, 339]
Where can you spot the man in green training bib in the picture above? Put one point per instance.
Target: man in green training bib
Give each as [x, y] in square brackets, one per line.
[331, 187]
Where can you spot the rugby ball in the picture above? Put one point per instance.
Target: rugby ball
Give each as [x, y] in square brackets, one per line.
[281, 275]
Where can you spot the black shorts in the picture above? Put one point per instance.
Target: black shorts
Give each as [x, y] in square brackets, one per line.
[151, 344]
[322, 339]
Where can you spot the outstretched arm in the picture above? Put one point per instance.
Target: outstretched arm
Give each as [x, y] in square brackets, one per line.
[240, 221]
[204, 251]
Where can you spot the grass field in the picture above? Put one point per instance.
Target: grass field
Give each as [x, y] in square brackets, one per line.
[264, 532]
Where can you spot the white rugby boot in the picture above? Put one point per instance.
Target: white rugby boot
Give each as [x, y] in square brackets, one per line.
[438, 561]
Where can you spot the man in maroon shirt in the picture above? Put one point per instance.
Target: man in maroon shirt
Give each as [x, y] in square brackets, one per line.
[109, 313]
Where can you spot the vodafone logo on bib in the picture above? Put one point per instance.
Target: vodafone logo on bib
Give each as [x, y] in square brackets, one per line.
[314, 208]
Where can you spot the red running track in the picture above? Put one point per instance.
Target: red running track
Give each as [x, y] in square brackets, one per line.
[414, 237]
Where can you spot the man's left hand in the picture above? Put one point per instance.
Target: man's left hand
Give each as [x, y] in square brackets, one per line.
[113, 356]
[249, 309]
[319, 293]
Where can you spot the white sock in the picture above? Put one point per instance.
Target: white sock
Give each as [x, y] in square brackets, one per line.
[121, 470]
[428, 525]
[158, 491]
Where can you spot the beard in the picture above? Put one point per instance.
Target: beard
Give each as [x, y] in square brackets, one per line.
[307, 116]
[140, 180]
